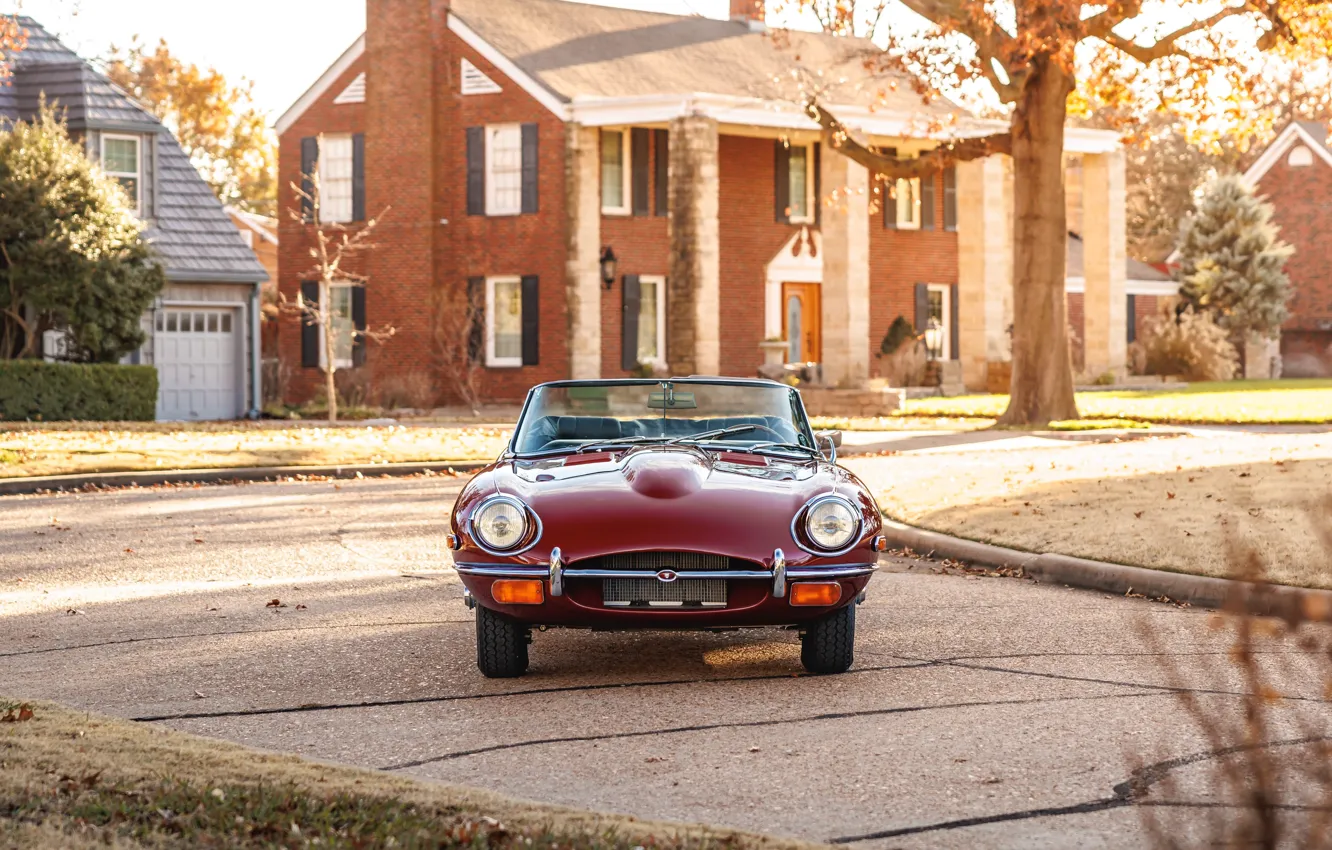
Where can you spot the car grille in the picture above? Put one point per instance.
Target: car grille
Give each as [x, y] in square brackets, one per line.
[653, 561]
[683, 593]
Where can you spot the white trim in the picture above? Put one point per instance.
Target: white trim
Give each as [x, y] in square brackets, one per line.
[1132, 286]
[1277, 149]
[474, 81]
[799, 260]
[354, 92]
[626, 172]
[659, 281]
[913, 183]
[138, 165]
[321, 85]
[342, 362]
[324, 162]
[492, 208]
[249, 220]
[505, 66]
[946, 321]
[810, 178]
[491, 360]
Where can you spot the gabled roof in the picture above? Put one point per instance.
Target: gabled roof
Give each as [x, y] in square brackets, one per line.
[1311, 133]
[194, 237]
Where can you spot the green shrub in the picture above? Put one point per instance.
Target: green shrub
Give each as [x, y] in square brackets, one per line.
[100, 392]
[899, 332]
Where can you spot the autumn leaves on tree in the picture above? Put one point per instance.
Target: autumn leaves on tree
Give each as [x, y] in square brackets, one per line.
[1031, 54]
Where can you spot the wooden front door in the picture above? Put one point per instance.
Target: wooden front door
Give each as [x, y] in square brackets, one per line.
[802, 322]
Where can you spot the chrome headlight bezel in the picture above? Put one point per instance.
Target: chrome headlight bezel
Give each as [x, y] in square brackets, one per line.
[531, 533]
[800, 526]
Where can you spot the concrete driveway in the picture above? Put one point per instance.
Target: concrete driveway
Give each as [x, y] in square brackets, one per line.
[981, 712]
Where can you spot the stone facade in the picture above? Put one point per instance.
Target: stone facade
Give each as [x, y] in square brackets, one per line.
[1104, 234]
[846, 273]
[693, 291]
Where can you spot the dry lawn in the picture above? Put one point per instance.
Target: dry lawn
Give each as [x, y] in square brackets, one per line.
[73, 780]
[1167, 503]
[114, 447]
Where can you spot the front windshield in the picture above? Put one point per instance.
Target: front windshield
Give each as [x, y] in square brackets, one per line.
[715, 415]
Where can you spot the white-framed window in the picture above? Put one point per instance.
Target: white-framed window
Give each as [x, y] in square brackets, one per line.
[343, 326]
[504, 169]
[908, 203]
[652, 319]
[800, 190]
[939, 322]
[615, 172]
[504, 321]
[335, 178]
[121, 159]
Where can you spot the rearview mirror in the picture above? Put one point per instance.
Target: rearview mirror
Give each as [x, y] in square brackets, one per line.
[677, 401]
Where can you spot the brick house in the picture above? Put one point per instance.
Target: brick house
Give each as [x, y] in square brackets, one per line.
[1294, 172]
[521, 142]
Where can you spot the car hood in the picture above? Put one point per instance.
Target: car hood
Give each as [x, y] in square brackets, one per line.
[668, 498]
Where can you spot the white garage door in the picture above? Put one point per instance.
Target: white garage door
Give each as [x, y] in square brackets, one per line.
[198, 363]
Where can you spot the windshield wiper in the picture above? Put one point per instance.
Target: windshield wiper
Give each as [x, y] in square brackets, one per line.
[615, 441]
[787, 447]
[709, 435]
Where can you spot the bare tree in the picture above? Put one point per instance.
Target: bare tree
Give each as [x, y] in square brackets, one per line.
[335, 246]
[457, 343]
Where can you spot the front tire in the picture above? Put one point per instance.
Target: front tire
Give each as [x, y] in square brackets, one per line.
[828, 645]
[501, 645]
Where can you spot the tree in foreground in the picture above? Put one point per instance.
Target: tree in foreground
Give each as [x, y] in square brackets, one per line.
[72, 254]
[1026, 51]
[1231, 262]
[218, 125]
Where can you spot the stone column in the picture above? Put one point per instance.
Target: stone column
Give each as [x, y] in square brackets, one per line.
[845, 295]
[985, 266]
[582, 164]
[1105, 258]
[693, 292]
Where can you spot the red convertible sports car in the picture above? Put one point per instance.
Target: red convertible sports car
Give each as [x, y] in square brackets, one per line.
[689, 503]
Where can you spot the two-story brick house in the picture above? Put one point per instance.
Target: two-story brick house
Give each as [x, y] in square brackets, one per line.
[1294, 173]
[519, 143]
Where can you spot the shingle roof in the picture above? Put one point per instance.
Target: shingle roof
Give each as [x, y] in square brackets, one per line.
[194, 237]
[1136, 269]
[582, 50]
[1317, 129]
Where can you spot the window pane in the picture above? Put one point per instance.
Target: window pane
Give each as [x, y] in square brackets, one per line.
[335, 179]
[934, 329]
[799, 178]
[212, 323]
[508, 320]
[344, 329]
[159, 321]
[612, 169]
[795, 311]
[131, 187]
[226, 323]
[647, 323]
[505, 162]
[120, 156]
[171, 322]
[906, 201]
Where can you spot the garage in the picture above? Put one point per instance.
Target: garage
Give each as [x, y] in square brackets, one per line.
[198, 358]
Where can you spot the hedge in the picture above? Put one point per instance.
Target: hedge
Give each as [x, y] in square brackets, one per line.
[37, 390]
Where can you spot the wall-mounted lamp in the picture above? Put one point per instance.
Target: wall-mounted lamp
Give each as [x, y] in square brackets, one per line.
[608, 262]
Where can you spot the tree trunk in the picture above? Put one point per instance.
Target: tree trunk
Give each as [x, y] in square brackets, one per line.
[1042, 383]
[330, 346]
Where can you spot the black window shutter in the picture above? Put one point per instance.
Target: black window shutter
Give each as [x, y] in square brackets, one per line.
[927, 201]
[1132, 323]
[358, 322]
[309, 330]
[953, 341]
[661, 141]
[781, 181]
[531, 321]
[639, 139]
[922, 307]
[476, 170]
[630, 298]
[358, 177]
[529, 168]
[818, 183]
[309, 161]
[476, 325]
[950, 198]
[889, 202]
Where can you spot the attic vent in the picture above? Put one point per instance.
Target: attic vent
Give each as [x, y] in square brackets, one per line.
[1300, 156]
[475, 82]
[354, 93]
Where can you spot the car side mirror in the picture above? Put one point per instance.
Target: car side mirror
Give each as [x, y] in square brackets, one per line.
[828, 441]
[834, 436]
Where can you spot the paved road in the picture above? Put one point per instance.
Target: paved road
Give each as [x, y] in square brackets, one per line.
[981, 712]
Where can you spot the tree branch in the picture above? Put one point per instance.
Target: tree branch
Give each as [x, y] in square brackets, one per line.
[836, 136]
[992, 43]
[1167, 44]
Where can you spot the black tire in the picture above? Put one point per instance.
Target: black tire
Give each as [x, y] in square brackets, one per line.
[829, 644]
[501, 645]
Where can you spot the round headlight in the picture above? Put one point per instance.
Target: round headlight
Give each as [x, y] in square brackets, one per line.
[831, 524]
[500, 524]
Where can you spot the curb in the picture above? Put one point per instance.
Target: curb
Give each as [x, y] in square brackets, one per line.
[95, 480]
[1202, 591]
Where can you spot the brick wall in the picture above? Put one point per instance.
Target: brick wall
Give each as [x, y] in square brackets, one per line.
[899, 259]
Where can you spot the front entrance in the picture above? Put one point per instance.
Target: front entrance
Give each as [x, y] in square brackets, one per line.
[802, 322]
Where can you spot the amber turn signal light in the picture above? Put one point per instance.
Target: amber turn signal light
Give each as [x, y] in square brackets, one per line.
[816, 593]
[518, 592]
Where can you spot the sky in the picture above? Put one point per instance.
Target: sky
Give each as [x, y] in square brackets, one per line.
[282, 45]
